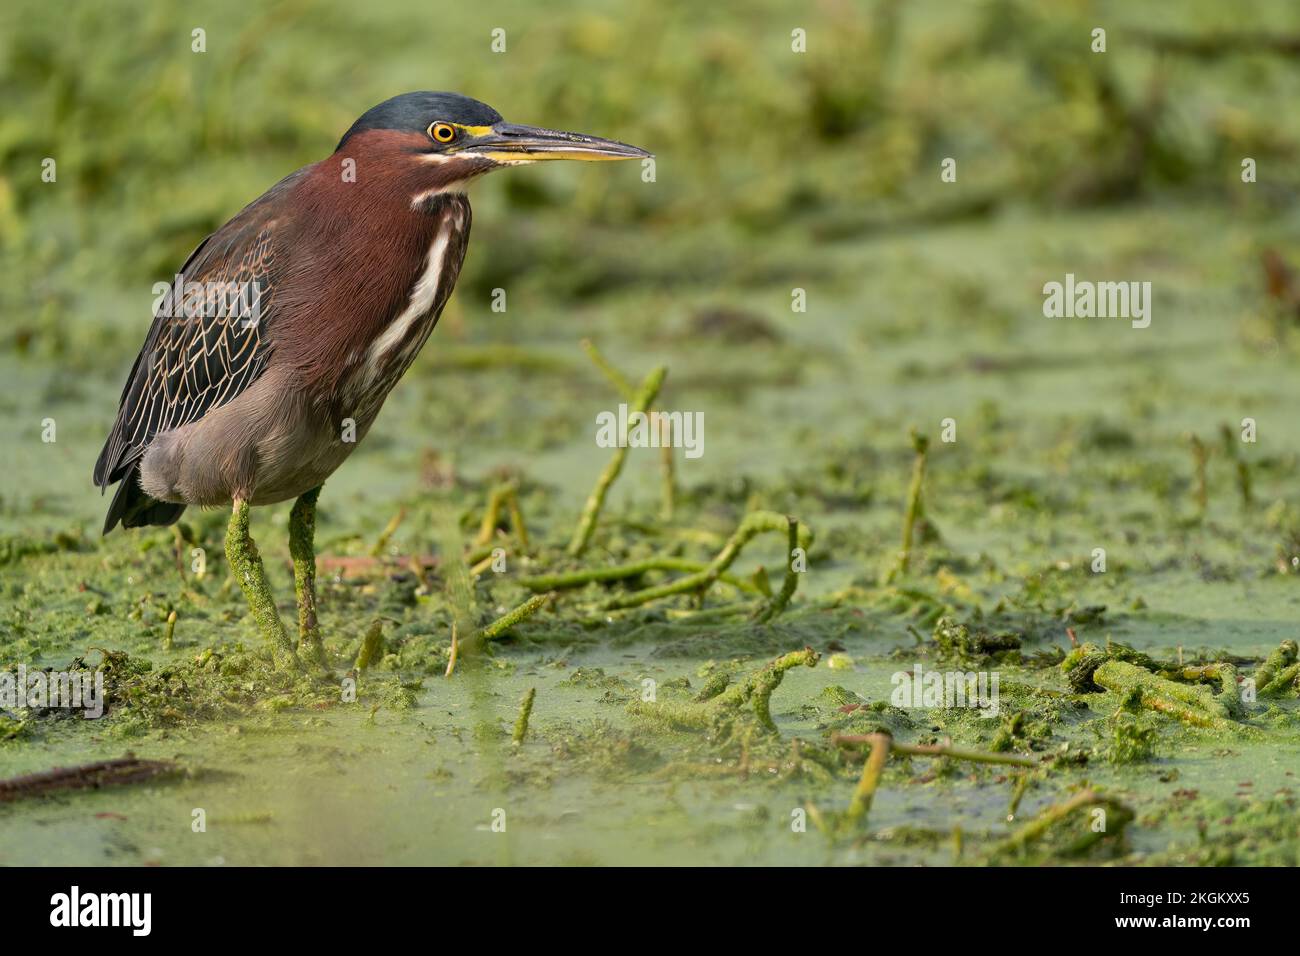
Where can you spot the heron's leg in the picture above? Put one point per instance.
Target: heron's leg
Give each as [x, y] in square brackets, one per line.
[302, 535]
[246, 566]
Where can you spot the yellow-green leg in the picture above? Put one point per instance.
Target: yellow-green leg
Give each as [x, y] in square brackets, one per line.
[246, 565]
[302, 536]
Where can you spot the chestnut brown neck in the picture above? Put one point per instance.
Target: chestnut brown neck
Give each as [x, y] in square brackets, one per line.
[375, 209]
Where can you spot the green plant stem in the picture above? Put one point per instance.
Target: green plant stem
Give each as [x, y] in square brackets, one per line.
[1037, 827]
[508, 620]
[860, 805]
[1200, 456]
[667, 474]
[759, 687]
[1229, 692]
[517, 519]
[521, 722]
[171, 630]
[371, 644]
[755, 690]
[453, 653]
[501, 495]
[1225, 674]
[596, 500]
[384, 536]
[754, 523]
[791, 581]
[1191, 704]
[1230, 446]
[1288, 679]
[914, 508]
[616, 378]
[1280, 658]
[667, 467]
[577, 579]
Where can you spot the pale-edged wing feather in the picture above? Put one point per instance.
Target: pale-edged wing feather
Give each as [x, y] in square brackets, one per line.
[195, 360]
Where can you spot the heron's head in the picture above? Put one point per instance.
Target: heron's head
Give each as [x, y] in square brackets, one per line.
[454, 139]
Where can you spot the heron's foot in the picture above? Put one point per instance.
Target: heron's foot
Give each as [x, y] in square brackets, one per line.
[302, 536]
[246, 566]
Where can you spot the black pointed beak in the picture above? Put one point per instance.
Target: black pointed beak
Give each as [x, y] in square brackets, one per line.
[511, 143]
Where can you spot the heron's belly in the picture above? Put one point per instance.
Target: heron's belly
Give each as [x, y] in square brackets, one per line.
[270, 444]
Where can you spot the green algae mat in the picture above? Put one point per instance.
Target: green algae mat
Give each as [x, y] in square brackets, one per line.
[976, 542]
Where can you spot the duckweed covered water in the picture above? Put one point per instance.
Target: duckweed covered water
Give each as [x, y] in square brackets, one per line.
[1071, 436]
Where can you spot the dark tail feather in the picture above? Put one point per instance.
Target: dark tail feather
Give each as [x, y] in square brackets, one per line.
[135, 509]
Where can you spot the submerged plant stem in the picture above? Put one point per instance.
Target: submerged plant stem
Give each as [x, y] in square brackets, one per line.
[940, 750]
[103, 773]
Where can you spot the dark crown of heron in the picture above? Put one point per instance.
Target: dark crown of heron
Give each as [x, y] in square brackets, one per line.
[422, 112]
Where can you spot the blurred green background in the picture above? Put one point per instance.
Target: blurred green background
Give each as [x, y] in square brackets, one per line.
[775, 170]
[156, 145]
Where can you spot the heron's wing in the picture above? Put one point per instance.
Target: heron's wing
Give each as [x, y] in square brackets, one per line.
[205, 350]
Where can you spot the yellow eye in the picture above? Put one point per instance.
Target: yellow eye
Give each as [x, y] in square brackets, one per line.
[442, 132]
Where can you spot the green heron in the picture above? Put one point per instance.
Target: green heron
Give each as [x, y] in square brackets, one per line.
[346, 264]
